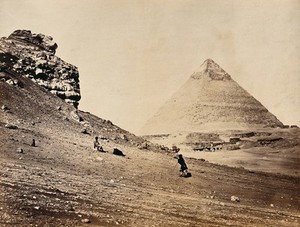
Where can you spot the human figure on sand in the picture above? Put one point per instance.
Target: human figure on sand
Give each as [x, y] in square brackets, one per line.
[97, 145]
[183, 167]
[33, 143]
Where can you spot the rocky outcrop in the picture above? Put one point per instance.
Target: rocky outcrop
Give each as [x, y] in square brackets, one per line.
[33, 56]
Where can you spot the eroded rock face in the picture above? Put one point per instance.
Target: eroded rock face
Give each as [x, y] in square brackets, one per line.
[33, 56]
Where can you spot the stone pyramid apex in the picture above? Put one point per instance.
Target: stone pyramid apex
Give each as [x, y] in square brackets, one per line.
[211, 69]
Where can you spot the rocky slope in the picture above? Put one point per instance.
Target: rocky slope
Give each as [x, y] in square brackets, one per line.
[61, 181]
[33, 56]
[28, 106]
[210, 100]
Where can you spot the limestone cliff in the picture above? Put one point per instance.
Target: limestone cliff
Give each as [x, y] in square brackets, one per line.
[33, 56]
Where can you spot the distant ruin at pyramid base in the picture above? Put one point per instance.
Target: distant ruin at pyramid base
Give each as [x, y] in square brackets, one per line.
[210, 100]
[210, 127]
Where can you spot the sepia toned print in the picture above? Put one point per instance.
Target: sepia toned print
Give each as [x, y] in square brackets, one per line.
[149, 113]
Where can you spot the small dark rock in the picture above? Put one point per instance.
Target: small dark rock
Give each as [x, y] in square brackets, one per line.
[144, 146]
[4, 108]
[85, 131]
[10, 126]
[86, 220]
[235, 198]
[20, 150]
[118, 152]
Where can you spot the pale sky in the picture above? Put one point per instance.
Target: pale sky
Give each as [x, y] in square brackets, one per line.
[132, 55]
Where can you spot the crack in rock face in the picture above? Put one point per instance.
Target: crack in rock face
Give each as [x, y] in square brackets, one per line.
[33, 56]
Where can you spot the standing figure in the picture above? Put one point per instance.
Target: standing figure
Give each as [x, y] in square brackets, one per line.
[33, 143]
[183, 166]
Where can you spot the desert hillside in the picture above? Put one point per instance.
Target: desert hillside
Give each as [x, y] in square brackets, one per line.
[62, 181]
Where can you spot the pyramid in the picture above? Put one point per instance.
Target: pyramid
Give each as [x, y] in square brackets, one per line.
[210, 100]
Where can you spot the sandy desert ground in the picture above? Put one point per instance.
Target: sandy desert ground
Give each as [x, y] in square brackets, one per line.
[282, 156]
[62, 181]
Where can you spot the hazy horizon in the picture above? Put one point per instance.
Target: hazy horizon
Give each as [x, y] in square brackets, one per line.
[133, 55]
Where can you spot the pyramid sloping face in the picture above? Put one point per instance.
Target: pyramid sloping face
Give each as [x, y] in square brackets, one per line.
[210, 100]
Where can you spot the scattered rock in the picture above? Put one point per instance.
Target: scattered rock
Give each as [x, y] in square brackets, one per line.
[85, 220]
[37, 207]
[222, 204]
[271, 205]
[12, 82]
[118, 152]
[122, 136]
[108, 122]
[234, 140]
[163, 148]
[10, 126]
[235, 198]
[111, 181]
[4, 108]
[99, 159]
[75, 116]
[19, 150]
[58, 108]
[144, 146]
[71, 209]
[85, 131]
[175, 149]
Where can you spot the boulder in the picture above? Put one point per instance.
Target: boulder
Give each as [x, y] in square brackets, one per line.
[19, 150]
[235, 199]
[118, 152]
[4, 108]
[10, 126]
[85, 220]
